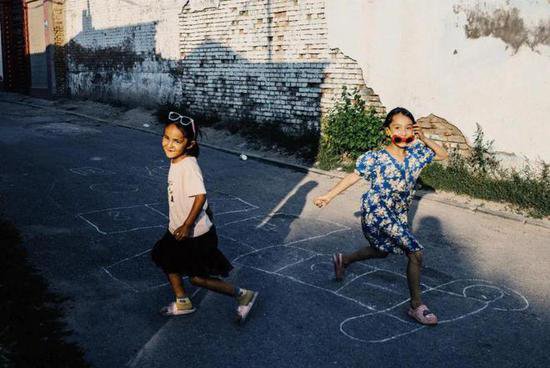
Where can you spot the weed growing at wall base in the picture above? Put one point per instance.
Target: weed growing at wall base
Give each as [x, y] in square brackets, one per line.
[479, 175]
[528, 193]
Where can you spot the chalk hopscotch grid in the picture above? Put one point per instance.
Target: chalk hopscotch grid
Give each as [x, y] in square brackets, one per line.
[254, 250]
[97, 228]
[386, 311]
[312, 254]
[151, 206]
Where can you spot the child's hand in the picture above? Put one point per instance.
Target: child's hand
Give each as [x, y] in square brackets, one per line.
[322, 201]
[418, 132]
[182, 232]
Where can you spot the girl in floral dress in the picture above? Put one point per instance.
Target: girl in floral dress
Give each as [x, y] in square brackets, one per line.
[392, 173]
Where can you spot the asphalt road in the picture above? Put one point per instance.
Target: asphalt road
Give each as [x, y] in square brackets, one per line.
[90, 201]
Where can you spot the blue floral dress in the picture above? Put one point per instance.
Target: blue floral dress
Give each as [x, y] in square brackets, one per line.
[385, 206]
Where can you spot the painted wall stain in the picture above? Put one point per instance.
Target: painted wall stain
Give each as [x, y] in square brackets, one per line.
[121, 57]
[506, 25]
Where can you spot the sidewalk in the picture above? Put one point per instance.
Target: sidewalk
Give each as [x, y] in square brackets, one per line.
[145, 120]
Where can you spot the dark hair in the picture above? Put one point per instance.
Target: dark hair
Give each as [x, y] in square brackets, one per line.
[190, 132]
[397, 111]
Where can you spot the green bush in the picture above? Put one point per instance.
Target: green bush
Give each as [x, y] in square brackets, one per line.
[348, 130]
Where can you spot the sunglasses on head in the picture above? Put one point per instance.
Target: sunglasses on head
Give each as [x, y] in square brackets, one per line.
[397, 139]
[182, 120]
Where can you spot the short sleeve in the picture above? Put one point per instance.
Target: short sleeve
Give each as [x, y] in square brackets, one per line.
[364, 163]
[193, 182]
[423, 154]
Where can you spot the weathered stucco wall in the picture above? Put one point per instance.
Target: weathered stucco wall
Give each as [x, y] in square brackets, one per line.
[122, 50]
[468, 61]
[260, 60]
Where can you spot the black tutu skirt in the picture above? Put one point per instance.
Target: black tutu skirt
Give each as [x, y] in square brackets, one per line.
[198, 256]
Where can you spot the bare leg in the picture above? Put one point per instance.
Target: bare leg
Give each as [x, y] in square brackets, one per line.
[362, 254]
[177, 284]
[213, 284]
[413, 277]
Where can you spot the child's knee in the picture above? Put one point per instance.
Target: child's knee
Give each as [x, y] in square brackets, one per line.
[415, 257]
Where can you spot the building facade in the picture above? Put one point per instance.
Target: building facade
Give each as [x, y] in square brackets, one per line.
[453, 63]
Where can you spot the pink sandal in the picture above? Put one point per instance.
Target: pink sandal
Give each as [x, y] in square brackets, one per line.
[423, 315]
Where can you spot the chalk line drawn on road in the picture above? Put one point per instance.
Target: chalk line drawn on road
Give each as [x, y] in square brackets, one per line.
[114, 188]
[267, 238]
[383, 323]
[159, 170]
[119, 220]
[468, 303]
[63, 129]
[124, 219]
[90, 171]
[150, 171]
[379, 291]
[225, 204]
[293, 247]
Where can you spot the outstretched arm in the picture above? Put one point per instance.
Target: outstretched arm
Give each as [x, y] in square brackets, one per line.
[344, 184]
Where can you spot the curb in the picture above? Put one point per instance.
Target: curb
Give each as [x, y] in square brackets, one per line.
[418, 195]
[273, 161]
[505, 215]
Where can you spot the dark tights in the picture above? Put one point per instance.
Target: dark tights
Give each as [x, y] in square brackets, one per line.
[209, 283]
[413, 268]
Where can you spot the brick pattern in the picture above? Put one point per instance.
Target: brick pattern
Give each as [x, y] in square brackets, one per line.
[270, 61]
[257, 60]
[344, 71]
[14, 43]
[441, 131]
[60, 55]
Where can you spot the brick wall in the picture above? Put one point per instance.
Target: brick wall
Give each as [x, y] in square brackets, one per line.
[258, 60]
[14, 44]
[270, 60]
[59, 55]
[440, 130]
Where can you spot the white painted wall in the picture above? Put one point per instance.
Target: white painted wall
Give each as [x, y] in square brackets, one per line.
[406, 49]
[117, 14]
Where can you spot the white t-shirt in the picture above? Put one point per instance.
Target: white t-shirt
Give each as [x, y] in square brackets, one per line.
[184, 183]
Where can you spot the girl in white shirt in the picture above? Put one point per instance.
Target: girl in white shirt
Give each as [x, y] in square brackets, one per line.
[190, 246]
